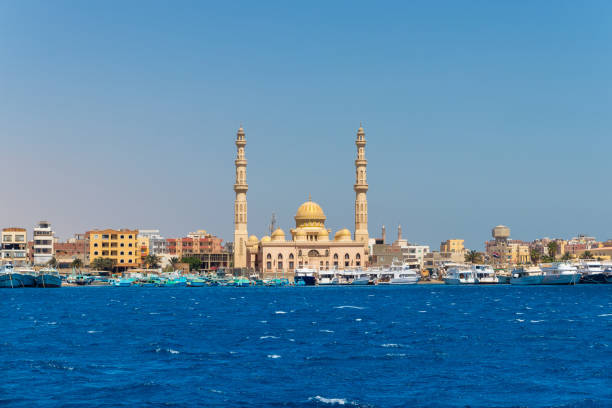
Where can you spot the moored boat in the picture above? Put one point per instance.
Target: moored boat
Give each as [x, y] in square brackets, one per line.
[48, 278]
[592, 272]
[361, 278]
[484, 275]
[305, 277]
[460, 276]
[9, 278]
[28, 276]
[196, 282]
[523, 275]
[560, 273]
[403, 275]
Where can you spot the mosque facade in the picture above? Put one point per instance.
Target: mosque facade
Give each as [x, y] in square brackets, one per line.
[309, 244]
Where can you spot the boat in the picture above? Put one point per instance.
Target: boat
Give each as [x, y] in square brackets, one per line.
[9, 278]
[242, 282]
[592, 272]
[361, 278]
[461, 275]
[28, 276]
[484, 275]
[123, 282]
[608, 274]
[305, 277]
[82, 280]
[48, 278]
[560, 273]
[327, 278]
[403, 275]
[196, 282]
[527, 275]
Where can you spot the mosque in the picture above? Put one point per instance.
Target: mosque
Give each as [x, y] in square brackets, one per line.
[310, 244]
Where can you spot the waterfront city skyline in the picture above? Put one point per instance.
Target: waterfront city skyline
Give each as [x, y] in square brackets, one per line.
[476, 114]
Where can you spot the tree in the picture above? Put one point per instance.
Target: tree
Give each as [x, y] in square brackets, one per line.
[566, 256]
[194, 263]
[535, 256]
[473, 256]
[586, 255]
[152, 261]
[103, 264]
[173, 261]
[76, 263]
[553, 248]
[52, 262]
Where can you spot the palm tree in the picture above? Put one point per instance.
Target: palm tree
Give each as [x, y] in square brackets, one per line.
[173, 261]
[535, 256]
[473, 256]
[566, 256]
[152, 261]
[52, 262]
[586, 255]
[553, 248]
[76, 263]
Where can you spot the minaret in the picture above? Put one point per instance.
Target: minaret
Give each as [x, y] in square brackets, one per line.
[399, 232]
[384, 234]
[240, 204]
[361, 188]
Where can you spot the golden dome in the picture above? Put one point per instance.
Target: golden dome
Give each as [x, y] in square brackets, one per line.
[300, 232]
[265, 239]
[343, 235]
[310, 214]
[253, 239]
[278, 235]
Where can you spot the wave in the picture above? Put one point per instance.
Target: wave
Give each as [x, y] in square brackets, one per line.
[349, 307]
[269, 337]
[280, 312]
[330, 401]
[605, 315]
[273, 356]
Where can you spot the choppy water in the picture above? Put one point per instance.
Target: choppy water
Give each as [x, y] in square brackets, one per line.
[424, 345]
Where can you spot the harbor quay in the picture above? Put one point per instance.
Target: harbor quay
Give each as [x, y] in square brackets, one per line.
[309, 254]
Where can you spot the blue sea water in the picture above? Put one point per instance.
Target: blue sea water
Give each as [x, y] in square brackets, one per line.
[416, 346]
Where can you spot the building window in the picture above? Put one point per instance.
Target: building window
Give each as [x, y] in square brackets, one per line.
[95, 244]
[269, 265]
[122, 245]
[291, 266]
[336, 256]
[130, 253]
[129, 261]
[96, 236]
[95, 252]
[280, 264]
[358, 256]
[122, 236]
[290, 256]
[346, 256]
[121, 261]
[129, 237]
[121, 253]
[130, 244]
[268, 256]
[280, 257]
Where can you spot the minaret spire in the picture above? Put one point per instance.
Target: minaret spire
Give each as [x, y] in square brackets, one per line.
[361, 188]
[240, 204]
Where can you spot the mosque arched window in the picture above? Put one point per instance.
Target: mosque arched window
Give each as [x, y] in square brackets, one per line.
[290, 256]
[280, 257]
[313, 252]
[335, 256]
[268, 256]
[346, 256]
[358, 256]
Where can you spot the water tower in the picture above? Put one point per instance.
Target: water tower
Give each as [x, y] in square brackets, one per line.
[501, 233]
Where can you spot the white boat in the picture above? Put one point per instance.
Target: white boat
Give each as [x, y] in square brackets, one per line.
[531, 275]
[592, 272]
[328, 278]
[460, 276]
[361, 278]
[403, 275]
[305, 277]
[484, 274]
[560, 273]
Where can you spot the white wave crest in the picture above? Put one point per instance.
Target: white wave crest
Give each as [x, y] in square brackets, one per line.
[330, 401]
[273, 356]
[349, 307]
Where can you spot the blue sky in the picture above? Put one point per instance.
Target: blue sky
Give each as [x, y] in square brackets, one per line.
[124, 114]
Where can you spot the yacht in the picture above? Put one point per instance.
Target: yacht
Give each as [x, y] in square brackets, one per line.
[328, 278]
[48, 278]
[403, 275]
[305, 277]
[460, 276]
[560, 273]
[592, 272]
[484, 275]
[531, 275]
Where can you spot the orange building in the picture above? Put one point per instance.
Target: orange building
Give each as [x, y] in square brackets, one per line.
[119, 245]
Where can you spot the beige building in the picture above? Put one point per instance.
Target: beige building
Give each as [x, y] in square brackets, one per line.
[119, 245]
[504, 251]
[452, 245]
[310, 244]
[14, 246]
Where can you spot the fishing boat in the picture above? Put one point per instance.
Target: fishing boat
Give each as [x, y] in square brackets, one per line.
[460, 276]
[327, 278]
[123, 282]
[28, 276]
[9, 278]
[196, 282]
[560, 273]
[527, 275]
[81, 280]
[305, 277]
[484, 275]
[48, 278]
[242, 282]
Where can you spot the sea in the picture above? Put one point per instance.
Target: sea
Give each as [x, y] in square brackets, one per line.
[379, 346]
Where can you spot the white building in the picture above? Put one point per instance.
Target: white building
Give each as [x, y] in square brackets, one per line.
[43, 239]
[413, 255]
[157, 244]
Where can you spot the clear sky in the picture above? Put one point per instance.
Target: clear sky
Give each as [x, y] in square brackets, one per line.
[124, 114]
